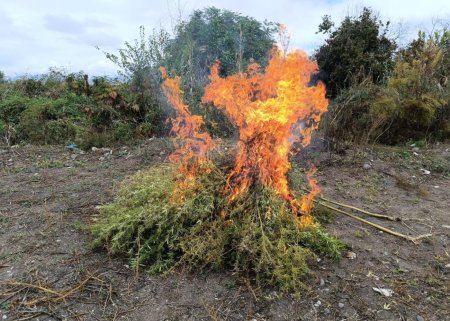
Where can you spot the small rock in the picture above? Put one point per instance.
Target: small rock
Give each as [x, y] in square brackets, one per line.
[94, 149]
[351, 255]
[4, 317]
[367, 166]
[101, 159]
[318, 304]
[425, 172]
[419, 318]
[327, 311]
[415, 149]
[415, 154]
[322, 282]
[447, 266]
[341, 305]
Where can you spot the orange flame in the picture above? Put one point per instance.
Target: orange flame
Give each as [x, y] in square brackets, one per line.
[191, 144]
[272, 110]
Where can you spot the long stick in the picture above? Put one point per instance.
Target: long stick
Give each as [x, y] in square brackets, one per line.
[386, 217]
[382, 228]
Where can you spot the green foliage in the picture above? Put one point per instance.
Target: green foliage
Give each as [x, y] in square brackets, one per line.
[259, 237]
[357, 114]
[139, 64]
[212, 34]
[413, 104]
[48, 121]
[31, 87]
[356, 50]
[11, 108]
[56, 108]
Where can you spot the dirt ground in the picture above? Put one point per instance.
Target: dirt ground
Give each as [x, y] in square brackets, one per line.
[48, 195]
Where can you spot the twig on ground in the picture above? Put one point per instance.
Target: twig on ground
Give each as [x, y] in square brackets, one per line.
[381, 228]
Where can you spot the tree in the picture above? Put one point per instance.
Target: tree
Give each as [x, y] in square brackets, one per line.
[139, 64]
[359, 48]
[213, 34]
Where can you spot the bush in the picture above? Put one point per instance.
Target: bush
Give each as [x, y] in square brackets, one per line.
[122, 131]
[88, 138]
[48, 121]
[12, 108]
[262, 238]
[30, 87]
[413, 105]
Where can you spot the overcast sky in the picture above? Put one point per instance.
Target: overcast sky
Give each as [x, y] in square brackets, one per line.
[36, 35]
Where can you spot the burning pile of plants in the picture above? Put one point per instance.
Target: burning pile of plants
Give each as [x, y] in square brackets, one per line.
[208, 211]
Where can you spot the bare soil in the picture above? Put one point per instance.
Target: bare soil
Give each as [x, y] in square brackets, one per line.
[48, 271]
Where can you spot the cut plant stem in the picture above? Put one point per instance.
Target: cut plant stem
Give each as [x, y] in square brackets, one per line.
[381, 228]
[385, 217]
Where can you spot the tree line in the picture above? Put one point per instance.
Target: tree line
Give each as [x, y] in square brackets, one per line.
[377, 90]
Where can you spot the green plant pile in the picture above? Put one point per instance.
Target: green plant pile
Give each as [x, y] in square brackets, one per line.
[260, 237]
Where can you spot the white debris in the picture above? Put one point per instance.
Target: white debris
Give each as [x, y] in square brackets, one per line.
[385, 292]
[425, 172]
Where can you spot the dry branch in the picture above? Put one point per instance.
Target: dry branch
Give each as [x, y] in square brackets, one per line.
[381, 228]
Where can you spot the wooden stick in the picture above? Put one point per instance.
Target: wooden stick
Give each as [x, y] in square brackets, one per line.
[381, 228]
[386, 217]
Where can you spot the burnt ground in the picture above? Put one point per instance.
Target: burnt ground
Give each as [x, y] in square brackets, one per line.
[48, 195]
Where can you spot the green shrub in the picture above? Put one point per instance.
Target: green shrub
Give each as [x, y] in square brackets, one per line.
[30, 87]
[12, 108]
[413, 105]
[87, 138]
[260, 238]
[122, 131]
[48, 121]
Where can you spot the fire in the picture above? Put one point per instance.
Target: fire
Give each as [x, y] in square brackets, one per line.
[273, 111]
[191, 144]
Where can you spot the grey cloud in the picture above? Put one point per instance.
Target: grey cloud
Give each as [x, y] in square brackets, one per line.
[63, 24]
[64, 33]
[95, 23]
[100, 39]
